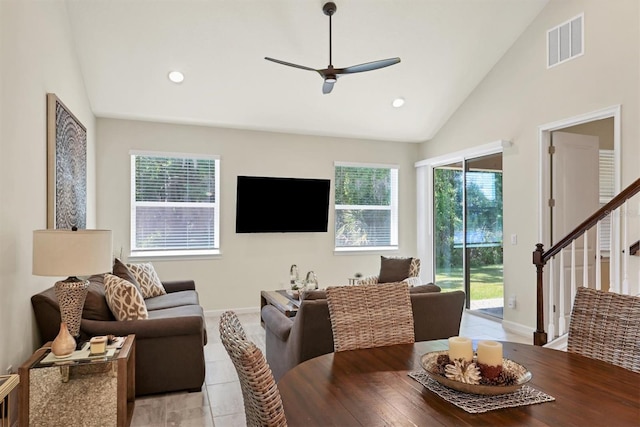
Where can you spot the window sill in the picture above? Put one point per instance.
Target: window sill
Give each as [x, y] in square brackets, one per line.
[174, 255]
[364, 250]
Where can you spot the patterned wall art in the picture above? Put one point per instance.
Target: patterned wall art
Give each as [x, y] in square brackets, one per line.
[66, 167]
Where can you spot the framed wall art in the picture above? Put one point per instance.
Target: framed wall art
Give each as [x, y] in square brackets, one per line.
[66, 167]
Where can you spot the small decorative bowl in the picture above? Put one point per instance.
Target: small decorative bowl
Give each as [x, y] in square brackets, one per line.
[429, 362]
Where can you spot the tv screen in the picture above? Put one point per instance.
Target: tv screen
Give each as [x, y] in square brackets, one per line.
[281, 205]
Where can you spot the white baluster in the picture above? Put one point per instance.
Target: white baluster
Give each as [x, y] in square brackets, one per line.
[561, 290]
[625, 245]
[598, 259]
[573, 269]
[614, 258]
[551, 328]
[585, 260]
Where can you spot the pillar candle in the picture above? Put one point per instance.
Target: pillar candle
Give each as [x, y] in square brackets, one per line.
[490, 353]
[460, 348]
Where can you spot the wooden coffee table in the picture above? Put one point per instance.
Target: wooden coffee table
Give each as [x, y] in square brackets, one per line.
[279, 299]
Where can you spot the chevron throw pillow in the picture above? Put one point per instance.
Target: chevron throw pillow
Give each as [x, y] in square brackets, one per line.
[147, 278]
[124, 299]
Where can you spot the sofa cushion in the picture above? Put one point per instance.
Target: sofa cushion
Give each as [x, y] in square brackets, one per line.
[173, 312]
[95, 304]
[121, 270]
[393, 269]
[147, 278]
[124, 299]
[174, 299]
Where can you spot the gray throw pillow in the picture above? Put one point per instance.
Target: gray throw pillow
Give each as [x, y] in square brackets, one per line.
[121, 270]
[393, 269]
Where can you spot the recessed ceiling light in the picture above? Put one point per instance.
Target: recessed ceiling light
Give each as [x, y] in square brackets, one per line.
[176, 76]
[398, 102]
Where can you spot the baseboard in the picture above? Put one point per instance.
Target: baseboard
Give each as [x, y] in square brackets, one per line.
[518, 328]
[245, 310]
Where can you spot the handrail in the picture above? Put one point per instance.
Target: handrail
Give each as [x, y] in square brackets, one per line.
[613, 204]
[540, 256]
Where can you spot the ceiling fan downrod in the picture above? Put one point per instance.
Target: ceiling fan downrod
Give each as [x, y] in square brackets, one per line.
[329, 9]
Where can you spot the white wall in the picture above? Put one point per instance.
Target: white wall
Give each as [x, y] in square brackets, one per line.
[520, 94]
[249, 262]
[37, 57]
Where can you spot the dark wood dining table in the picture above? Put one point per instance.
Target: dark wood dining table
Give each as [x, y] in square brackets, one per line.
[372, 388]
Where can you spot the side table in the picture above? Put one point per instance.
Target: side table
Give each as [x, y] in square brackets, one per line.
[94, 392]
[285, 305]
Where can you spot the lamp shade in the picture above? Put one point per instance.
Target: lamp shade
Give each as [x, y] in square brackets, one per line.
[71, 253]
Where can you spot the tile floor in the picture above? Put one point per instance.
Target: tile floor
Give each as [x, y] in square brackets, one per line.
[220, 404]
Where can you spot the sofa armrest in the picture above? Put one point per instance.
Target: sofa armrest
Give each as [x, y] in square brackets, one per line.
[279, 324]
[147, 328]
[179, 285]
[437, 315]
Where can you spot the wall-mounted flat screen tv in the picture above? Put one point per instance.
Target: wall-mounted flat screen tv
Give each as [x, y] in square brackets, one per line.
[281, 205]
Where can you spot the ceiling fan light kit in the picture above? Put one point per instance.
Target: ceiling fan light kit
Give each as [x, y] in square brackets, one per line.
[330, 74]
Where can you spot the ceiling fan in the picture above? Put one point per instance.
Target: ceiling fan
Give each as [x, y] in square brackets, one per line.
[330, 74]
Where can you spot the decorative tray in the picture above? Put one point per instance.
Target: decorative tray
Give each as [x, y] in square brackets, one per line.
[518, 373]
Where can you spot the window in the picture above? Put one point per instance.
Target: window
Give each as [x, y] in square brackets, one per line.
[366, 206]
[174, 204]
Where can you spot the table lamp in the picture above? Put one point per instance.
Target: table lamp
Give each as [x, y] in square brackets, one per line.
[71, 253]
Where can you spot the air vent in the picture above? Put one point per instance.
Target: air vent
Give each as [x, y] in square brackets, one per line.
[566, 41]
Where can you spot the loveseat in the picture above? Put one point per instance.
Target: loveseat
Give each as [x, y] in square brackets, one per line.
[290, 341]
[169, 344]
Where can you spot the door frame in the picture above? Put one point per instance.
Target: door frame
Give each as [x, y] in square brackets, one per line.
[424, 187]
[544, 172]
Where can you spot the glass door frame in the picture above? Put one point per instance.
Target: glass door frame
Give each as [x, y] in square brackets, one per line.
[425, 200]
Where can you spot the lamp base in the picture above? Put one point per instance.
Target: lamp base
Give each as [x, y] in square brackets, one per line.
[71, 294]
[64, 345]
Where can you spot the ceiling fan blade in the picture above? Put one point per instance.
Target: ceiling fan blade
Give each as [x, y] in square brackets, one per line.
[327, 87]
[369, 66]
[289, 64]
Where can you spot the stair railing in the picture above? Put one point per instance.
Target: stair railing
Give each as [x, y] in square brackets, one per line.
[541, 257]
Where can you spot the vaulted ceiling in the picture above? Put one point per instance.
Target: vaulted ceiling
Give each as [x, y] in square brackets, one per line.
[126, 49]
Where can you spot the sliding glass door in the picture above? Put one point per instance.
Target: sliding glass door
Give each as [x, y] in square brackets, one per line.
[449, 226]
[468, 231]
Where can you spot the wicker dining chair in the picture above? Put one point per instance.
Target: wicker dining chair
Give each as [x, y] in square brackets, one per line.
[262, 402]
[369, 316]
[606, 326]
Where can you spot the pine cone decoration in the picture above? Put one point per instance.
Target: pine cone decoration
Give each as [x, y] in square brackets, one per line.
[469, 374]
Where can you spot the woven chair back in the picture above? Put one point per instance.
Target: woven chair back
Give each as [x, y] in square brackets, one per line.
[369, 316]
[606, 326]
[262, 403]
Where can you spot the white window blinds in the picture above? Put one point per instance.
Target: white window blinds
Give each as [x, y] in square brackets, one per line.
[366, 206]
[174, 204]
[607, 192]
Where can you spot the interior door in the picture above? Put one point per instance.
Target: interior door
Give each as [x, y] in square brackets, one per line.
[575, 195]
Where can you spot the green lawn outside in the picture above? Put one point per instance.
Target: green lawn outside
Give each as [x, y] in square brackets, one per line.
[486, 282]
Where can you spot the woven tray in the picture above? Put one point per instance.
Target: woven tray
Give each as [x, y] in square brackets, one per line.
[477, 404]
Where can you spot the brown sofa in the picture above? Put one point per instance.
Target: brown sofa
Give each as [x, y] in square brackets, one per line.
[169, 344]
[290, 341]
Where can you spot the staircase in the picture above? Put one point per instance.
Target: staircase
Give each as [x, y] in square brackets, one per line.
[556, 287]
